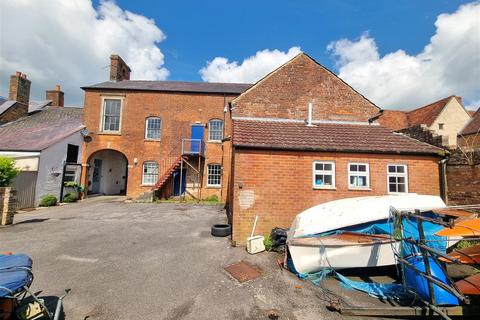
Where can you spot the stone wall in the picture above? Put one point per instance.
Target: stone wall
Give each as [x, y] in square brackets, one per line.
[8, 201]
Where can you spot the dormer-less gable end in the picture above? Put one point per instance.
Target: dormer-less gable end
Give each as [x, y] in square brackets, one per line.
[286, 92]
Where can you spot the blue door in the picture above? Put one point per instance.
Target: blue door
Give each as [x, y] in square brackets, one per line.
[176, 182]
[197, 138]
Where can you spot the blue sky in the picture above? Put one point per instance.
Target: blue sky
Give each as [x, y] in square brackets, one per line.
[399, 54]
[198, 31]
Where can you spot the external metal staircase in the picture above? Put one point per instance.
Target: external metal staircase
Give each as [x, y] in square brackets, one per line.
[180, 159]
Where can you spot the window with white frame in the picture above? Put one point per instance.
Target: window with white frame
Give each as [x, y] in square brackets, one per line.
[111, 115]
[153, 126]
[214, 175]
[323, 174]
[358, 175]
[150, 173]
[397, 178]
[215, 130]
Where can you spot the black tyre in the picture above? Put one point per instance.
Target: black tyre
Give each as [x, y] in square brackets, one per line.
[221, 230]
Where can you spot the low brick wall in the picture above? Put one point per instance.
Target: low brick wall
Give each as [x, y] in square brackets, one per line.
[463, 178]
[8, 202]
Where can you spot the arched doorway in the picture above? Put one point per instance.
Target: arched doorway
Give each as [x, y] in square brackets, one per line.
[107, 173]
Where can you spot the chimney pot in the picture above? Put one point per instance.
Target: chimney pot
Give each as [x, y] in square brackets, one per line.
[18, 73]
[57, 88]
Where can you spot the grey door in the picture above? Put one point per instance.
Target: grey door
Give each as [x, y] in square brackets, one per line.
[97, 174]
[25, 184]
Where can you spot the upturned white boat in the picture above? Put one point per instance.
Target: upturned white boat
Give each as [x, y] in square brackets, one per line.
[343, 213]
[341, 251]
[311, 253]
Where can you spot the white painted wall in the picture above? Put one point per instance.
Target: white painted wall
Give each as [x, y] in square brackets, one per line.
[113, 174]
[50, 168]
[24, 161]
[454, 117]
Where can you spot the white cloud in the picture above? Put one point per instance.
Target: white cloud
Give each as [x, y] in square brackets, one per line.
[70, 42]
[449, 64]
[250, 70]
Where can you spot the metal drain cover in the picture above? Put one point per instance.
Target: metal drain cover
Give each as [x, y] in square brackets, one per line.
[242, 271]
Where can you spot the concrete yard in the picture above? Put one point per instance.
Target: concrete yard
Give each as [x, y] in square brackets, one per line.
[155, 261]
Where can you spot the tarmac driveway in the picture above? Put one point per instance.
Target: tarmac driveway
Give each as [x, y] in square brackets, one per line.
[151, 261]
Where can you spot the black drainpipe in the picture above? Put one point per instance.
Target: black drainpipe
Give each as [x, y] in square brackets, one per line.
[443, 177]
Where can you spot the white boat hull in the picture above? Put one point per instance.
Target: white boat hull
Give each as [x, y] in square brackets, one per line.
[342, 213]
[323, 253]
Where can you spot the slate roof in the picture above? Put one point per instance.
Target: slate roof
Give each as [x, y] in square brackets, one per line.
[172, 86]
[38, 105]
[473, 127]
[327, 137]
[6, 105]
[40, 130]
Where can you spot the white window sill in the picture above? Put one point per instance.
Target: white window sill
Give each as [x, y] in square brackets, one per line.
[324, 188]
[147, 185]
[214, 186]
[215, 141]
[153, 140]
[111, 133]
[360, 188]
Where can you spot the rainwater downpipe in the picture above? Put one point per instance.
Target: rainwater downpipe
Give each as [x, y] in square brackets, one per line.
[443, 178]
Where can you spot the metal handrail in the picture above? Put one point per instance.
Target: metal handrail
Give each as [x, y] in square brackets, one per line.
[193, 146]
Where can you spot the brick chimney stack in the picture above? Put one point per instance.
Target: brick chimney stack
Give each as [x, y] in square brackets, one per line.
[19, 89]
[119, 70]
[56, 96]
[460, 100]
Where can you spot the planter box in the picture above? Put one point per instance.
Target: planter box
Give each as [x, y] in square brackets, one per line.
[8, 204]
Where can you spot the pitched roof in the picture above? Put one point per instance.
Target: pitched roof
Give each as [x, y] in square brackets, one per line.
[427, 114]
[6, 105]
[40, 130]
[393, 119]
[38, 105]
[326, 136]
[172, 86]
[472, 127]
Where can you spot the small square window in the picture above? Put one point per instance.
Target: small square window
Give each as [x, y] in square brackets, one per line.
[324, 174]
[358, 175]
[441, 126]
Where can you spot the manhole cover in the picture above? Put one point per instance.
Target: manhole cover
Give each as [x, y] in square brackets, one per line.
[242, 271]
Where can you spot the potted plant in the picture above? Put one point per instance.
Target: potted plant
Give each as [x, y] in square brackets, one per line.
[8, 196]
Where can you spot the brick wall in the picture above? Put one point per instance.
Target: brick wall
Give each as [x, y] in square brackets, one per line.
[8, 203]
[286, 93]
[177, 111]
[463, 178]
[277, 185]
[15, 112]
[422, 133]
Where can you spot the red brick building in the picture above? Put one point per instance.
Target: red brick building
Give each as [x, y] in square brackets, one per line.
[256, 147]
[284, 163]
[160, 135]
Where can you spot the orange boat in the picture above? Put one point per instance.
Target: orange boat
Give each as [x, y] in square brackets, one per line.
[470, 255]
[466, 228]
[469, 285]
